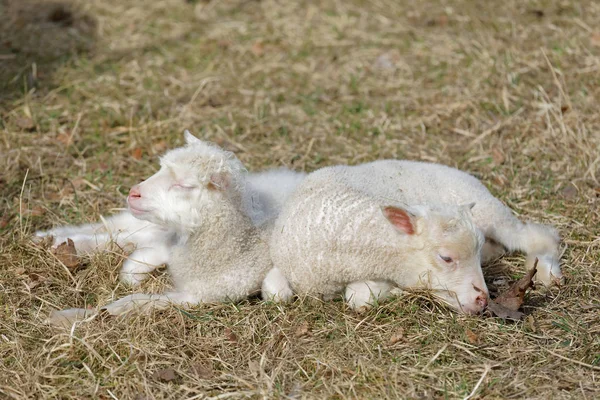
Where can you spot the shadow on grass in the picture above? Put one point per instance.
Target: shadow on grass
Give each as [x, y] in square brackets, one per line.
[36, 37]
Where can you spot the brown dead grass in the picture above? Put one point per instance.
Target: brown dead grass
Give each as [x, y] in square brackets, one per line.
[505, 90]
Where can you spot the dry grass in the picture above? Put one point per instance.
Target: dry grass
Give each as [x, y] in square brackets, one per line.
[505, 90]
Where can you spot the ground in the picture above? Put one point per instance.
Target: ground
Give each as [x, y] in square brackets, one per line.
[91, 92]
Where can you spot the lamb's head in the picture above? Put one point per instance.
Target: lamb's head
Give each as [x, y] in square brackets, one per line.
[191, 182]
[445, 246]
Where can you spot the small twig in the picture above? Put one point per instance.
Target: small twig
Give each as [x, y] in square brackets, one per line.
[440, 351]
[595, 368]
[485, 372]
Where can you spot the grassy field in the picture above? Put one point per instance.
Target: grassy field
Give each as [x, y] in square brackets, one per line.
[92, 91]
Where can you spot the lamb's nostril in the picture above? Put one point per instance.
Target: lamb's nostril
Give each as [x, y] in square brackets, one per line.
[135, 192]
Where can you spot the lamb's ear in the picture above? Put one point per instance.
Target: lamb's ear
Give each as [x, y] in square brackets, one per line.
[219, 181]
[403, 220]
[189, 138]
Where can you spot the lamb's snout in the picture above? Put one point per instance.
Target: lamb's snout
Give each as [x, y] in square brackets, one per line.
[479, 303]
[134, 201]
[482, 301]
[135, 193]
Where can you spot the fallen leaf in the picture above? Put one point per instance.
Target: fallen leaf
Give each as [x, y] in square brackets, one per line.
[35, 280]
[595, 39]
[258, 49]
[165, 375]
[513, 298]
[25, 123]
[20, 271]
[201, 371]
[137, 153]
[67, 254]
[498, 157]
[569, 191]
[302, 330]
[506, 305]
[398, 336]
[37, 211]
[4, 220]
[159, 146]
[471, 336]
[503, 312]
[64, 138]
[231, 336]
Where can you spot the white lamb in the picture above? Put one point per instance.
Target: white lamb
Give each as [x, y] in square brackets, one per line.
[152, 239]
[216, 252]
[389, 223]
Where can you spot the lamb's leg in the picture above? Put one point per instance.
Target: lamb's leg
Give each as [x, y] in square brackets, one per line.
[276, 287]
[144, 303]
[366, 293]
[89, 238]
[139, 302]
[535, 240]
[141, 262]
[491, 251]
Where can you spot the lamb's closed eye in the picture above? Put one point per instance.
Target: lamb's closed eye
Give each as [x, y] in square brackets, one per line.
[183, 186]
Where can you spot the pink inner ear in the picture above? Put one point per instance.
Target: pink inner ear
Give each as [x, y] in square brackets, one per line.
[400, 219]
[219, 181]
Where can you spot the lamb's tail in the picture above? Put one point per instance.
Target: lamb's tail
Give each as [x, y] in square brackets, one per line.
[535, 240]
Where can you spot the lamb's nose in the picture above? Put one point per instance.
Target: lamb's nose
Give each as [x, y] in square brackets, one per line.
[135, 192]
[482, 300]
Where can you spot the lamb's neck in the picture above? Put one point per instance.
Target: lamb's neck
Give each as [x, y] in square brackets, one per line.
[224, 225]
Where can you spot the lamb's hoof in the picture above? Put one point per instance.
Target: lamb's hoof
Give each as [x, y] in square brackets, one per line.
[548, 271]
[53, 237]
[66, 318]
[132, 279]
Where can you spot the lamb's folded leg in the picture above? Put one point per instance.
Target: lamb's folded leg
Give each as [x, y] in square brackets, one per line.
[366, 293]
[491, 251]
[145, 303]
[535, 240]
[134, 303]
[276, 287]
[142, 261]
[90, 238]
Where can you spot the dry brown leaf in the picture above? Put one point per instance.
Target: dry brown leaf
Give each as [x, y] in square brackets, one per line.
[159, 146]
[503, 312]
[514, 297]
[35, 280]
[302, 330]
[258, 49]
[201, 371]
[398, 336]
[137, 153]
[506, 305]
[65, 138]
[472, 337]
[37, 211]
[569, 191]
[67, 254]
[231, 336]
[25, 123]
[498, 157]
[595, 39]
[4, 220]
[165, 375]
